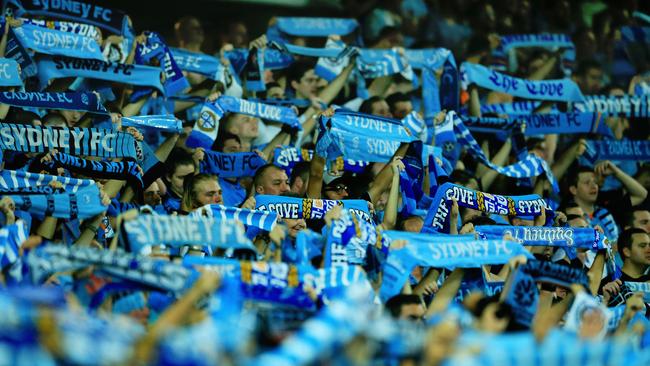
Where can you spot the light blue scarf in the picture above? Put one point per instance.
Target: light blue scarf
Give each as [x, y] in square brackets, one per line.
[568, 237]
[24, 182]
[632, 150]
[84, 203]
[11, 239]
[82, 101]
[310, 27]
[54, 42]
[166, 123]
[260, 219]
[82, 29]
[155, 49]
[563, 90]
[9, 75]
[614, 105]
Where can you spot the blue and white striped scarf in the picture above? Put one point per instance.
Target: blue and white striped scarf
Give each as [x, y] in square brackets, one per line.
[11, 239]
[530, 166]
[166, 123]
[614, 105]
[24, 182]
[155, 49]
[264, 220]
[84, 203]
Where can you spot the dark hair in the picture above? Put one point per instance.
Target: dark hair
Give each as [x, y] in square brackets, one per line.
[396, 98]
[176, 158]
[463, 177]
[395, 303]
[297, 70]
[574, 175]
[366, 106]
[54, 118]
[481, 220]
[301, 170]
[585, 65]
[629, 215]
[402, 220]
[222, 138]
[625, 239]
[259, 174]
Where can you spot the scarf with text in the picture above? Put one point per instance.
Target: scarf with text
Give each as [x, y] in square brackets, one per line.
[155, 50]
[112, 20]
[614, 105]
[15, 51]
[563, 90]
[231, 165]
[55, 67]
[307, 208]
[9, 75]
[53, 42]
[309, 27]
[429, 251]
[122, 170]
[79, 101]
[505, 59]
[82, 29]
[24, 182]
[84, 203]
[287, 157]
[631, 150]
[166, 123]
[586, 238]
[207, 126]
[359, 136]
[177, 231]
[438, 216]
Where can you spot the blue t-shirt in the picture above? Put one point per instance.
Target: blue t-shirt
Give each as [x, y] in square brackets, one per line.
[233, 193]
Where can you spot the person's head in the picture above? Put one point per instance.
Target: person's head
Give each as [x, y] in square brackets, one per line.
[639, 218]
[200, 190]
[493, 316]
[300, 178]
[302, 79]
[375, 105]
[178, 166]
[399, 104]
[583, 186]
[406, 307]
[643, 176]
[335, 188]
[55, 119]
[572, 208]
[411, 224]
[227, 143]
[294, 226]
[589, 76]
[274, 91]
[389, 37]
[189, 31]
[242, 125]
[634, 247]
[238, 34]
[577, 221]
[71, 117]
[152, 194]
[269, 179]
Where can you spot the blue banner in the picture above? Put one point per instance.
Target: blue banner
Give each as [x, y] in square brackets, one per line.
[54, 42]
[9, 74]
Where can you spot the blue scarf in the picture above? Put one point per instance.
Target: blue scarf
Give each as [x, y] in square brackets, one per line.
[307, 208]
[520, 107]
[82, 101]
[429, 251]
[529, 165]
[633, 150]
[56, 67]
[75, 141]
[122, 170]
[281, 283]
[207, 126]
[197, 63]
[438, 216]
[231, 165]
[273, 59]
[563, 90]
[557, 274]
[11, 239]
[643, 287]
[54, 42]
[359, 136]
[9, 75]
[348, 239]
[287, 157]
[260, 219]
[18, 53]
[610, 105]
[155, 49]
[564, 123]
[309, 27]
[329, 67]
[83, 204]
[112, 20]
[24, 182]
[49, 259]
[177, 231]
[568, 237]
[82, 29]
[549, 41]
[166, 123]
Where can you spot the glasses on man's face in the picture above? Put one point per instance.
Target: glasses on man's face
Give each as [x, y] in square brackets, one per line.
[339, 188]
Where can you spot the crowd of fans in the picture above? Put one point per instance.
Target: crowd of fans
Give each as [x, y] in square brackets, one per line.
[250, 227]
